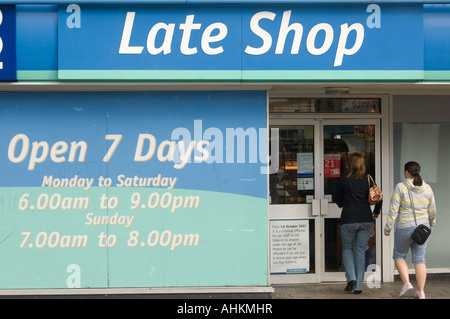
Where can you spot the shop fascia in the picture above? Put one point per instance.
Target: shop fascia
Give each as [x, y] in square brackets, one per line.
[221, 30]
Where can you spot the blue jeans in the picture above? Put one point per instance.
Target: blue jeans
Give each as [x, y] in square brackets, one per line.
[403, 242]
[355, 235]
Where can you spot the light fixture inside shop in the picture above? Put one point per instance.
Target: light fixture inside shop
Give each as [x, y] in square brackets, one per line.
[337, 90]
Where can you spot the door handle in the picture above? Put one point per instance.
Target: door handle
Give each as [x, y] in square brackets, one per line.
[324, 207]
[315, 207]
[319, 207]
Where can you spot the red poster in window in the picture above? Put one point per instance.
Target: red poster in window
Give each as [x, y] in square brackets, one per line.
[332, 165]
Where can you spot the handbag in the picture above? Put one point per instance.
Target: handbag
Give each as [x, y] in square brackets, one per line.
[422, 232]
[375, 194]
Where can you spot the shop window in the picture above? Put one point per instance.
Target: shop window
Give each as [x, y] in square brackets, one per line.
[421, 136]
[293, 183]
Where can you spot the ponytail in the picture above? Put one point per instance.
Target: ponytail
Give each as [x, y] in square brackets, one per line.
[414, 169]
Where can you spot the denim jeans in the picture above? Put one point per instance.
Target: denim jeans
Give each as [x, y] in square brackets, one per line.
[355, 235]
[403, 242]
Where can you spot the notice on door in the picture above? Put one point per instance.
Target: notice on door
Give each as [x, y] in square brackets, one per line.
[305, 171]
[289, 246]
[332, 165]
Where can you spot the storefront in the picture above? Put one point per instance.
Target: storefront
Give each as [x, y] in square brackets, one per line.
[193, 146]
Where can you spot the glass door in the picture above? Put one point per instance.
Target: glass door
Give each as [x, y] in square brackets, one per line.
[340, 138]
[293, 186]
[308, 156]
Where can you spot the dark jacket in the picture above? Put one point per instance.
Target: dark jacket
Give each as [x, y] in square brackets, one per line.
[352, 195]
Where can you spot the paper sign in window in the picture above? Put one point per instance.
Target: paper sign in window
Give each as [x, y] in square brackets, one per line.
[332, 165]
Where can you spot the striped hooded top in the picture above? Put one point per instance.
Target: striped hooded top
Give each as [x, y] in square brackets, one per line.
[400, 206]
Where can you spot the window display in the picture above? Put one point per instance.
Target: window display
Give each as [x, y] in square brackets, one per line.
[294, 180]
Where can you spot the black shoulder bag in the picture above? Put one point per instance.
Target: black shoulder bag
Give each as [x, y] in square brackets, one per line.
[422, 232]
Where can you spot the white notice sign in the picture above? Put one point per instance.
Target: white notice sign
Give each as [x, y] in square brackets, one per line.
[305, 164]
[289, 246]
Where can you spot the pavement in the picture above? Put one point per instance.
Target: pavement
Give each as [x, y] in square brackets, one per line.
[435, 288]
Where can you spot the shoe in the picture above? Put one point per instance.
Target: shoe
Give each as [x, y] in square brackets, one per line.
[350, 285]
[419, 295]
[357, 292]
[405, 288]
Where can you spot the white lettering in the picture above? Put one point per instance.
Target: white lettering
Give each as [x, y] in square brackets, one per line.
[116, 219]
[263, 34]
[187, 27]
[125, 47]
[138, 157]
[136, 181]
[310, 41]
[85, 183]
[166, 46]
[216, 32]
[12, 148]
[312, 46]
[341, 49]
[40, 151]
[284, 30]
[59, 148]
[185, 155]
[207, 38]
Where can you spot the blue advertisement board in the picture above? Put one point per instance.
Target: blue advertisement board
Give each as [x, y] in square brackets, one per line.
[7, 43]
[240, 43]
[133, 189]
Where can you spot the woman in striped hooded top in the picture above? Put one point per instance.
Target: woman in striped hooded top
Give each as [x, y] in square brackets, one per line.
[401, 209]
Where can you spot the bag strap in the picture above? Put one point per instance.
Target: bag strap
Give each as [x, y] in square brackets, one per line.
[369, 178]
[412, 204]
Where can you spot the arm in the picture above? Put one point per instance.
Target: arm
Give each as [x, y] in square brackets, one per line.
[377, 209]
[338, 194]
[393, 211]
[432, 210]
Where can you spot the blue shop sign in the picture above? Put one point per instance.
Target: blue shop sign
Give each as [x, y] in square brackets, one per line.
[240, 43]
[7, 43]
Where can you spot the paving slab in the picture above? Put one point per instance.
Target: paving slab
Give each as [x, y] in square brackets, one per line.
[435, 289]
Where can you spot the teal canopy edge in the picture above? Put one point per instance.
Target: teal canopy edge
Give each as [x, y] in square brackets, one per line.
[232, 76]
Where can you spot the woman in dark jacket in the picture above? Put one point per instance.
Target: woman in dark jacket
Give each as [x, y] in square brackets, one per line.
[357, 220]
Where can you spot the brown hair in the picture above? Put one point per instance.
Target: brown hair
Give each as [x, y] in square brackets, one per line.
[414, 169]
[357, 165]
